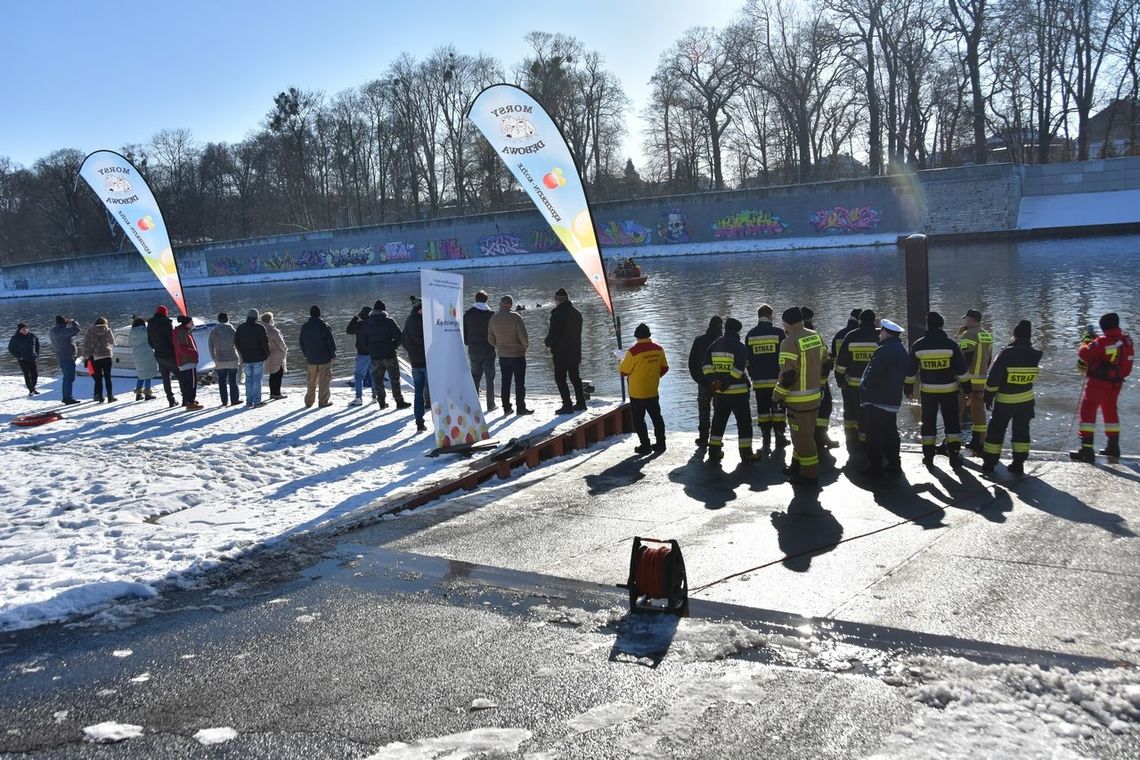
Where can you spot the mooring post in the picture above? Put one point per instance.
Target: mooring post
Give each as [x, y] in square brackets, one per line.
[917, 266]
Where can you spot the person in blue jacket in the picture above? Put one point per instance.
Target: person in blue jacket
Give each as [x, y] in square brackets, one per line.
[880, 393]
[25, 346]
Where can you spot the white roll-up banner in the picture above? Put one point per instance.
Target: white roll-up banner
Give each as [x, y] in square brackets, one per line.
[455, 408]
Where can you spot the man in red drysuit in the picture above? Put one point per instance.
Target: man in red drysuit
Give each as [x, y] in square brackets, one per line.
[1109, 362]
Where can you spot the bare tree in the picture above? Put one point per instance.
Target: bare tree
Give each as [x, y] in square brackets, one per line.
[970, 20]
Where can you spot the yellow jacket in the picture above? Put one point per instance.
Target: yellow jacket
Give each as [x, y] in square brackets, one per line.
[644, 364]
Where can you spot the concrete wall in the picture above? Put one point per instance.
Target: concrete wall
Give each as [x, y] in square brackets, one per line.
[963, 200]
[1102, 175]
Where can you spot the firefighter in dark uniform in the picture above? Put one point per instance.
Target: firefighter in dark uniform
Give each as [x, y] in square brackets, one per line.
[937, 366]
[823, 418]
[726, 366]
[763, 343]
[1009, 393]
[802, 356]
[977, 349]
[851, 357]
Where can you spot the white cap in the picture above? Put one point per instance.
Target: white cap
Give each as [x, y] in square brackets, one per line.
[890, 326]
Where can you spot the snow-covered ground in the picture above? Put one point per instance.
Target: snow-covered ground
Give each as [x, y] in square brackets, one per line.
[123, 500]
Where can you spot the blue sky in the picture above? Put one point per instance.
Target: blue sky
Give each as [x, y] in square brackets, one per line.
[92, 75]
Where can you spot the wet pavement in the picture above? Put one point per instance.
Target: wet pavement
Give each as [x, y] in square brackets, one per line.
[805, 605]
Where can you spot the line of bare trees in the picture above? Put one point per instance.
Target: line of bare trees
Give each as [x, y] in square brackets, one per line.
[791, 91]
[795, 91]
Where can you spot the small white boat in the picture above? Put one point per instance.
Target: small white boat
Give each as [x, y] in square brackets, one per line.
[123, 359]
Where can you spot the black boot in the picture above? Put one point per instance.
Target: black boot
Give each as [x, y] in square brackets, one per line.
[1112, 450]
[1084, 454]
[1017, 466]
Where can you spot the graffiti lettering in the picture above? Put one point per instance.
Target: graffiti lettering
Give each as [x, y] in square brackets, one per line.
[311, 260]
[542, 241]
[501, 244]
[842, 219]
[398, 251]
[623, 233]
[748, 223]
[350, 257]
[439, 250]
[225, 267]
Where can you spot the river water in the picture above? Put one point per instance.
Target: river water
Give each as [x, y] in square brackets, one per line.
[1059, 285]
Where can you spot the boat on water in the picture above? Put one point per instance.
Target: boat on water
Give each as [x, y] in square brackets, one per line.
[628, 282]
[123, 359]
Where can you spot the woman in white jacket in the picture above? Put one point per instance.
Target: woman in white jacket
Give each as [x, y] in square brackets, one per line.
[145, 365]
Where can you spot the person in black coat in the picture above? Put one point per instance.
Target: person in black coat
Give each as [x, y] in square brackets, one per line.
[25, 346]
[564, 339]
[880, 394]
[362, 370]
[319, 348]
[383, 336]
[417, 357]
[160, 336]
[480, 352]
[252, 344]
[697, 355]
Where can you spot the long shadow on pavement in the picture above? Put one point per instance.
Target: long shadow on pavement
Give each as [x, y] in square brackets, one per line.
[711, 484]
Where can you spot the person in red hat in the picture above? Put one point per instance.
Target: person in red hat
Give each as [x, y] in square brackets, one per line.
[186, 358]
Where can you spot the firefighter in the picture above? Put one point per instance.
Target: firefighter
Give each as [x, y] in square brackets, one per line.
[937, 366]
[1109, 361]
[697, 353]
[726, 365]
[1008, 392]
[833, 350]
[851, 357]
[977, 349]
[802, 356]
[823, 417]
[763, 343]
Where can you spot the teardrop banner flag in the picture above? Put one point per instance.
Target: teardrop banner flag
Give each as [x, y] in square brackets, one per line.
[129, 200]
[533, 148]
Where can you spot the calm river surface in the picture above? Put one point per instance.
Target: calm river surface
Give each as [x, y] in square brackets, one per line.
[1058, 285]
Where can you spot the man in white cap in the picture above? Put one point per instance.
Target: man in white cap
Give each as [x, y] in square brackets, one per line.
[880, 393]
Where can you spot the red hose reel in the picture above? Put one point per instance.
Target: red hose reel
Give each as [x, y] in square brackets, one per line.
[657, 580]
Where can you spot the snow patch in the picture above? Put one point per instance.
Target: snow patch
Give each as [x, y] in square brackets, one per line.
[122, 653]
[482, 703]
[208, 736]
[109, 731]
[603, 716]
[480, 741]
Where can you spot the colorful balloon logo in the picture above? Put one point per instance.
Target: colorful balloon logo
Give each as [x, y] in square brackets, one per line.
[554, 179]
[145, 224]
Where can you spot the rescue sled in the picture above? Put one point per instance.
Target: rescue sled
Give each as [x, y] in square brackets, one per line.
[628, 282]
[39, 418]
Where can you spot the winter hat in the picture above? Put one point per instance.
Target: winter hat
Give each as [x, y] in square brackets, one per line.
[732, 325]
[21, 326]
[857, 313]
[223, 317]
[60, 319]
[642, 331]
[252, 314]
[183, 319]
[973, 314]
[716, 324]
[315, 312]
[160, 310]
[866, 317]
[934, 321]
[1110, 321]
[379, 306]
[763, 311]
[101, 321]
[807, 312]
[1023, 330]
[365, 312]
[561, 293]
[793, 315]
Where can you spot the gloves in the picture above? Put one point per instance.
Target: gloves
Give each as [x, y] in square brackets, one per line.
[715, 386]
[989, 399]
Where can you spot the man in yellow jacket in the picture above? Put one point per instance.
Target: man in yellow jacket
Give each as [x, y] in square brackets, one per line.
[802, 355]
[644, 364]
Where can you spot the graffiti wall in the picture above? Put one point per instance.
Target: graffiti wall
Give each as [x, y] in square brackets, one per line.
[811, 211]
